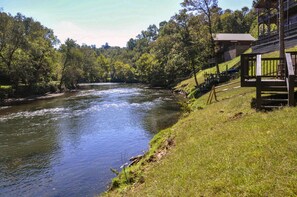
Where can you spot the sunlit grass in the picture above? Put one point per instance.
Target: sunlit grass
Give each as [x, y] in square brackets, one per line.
[222, 149]
[189, 84]
[226, 149]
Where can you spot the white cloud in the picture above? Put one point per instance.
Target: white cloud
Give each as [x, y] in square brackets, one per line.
[66, 29]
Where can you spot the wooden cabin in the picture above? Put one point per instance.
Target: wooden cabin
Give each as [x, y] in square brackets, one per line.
[274, 78]
[231, 45]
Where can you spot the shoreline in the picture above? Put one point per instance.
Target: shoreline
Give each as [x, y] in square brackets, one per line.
[19, 101]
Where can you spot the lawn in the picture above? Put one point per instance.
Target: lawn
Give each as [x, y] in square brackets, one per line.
[225, 148]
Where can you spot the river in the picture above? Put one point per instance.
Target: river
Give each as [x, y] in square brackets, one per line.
[67, 145]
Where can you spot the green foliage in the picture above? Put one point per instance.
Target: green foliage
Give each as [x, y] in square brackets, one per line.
[148, 69]
[159, 56]
[5, 92]
[26, 50]
[123, 72]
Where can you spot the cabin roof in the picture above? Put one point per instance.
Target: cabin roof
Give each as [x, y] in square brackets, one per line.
[233, 37]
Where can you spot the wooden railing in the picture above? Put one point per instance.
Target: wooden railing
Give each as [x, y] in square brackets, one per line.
[269, 72]
[290, 79]
[248, 65]
[289, 4]
[294, 61]
[258, 81]
[269, 67]
[273, 36]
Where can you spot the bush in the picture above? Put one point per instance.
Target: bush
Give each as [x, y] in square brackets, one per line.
[5, 92]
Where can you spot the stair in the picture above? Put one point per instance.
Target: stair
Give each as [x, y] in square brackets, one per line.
[272, 95]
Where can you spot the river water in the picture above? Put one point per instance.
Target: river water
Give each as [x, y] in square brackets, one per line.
[66, 146]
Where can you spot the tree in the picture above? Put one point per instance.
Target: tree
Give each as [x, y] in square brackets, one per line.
[204, 7]
[106, 46]
[12, 34]
[188, 47]
[26, 50]
[89, 66]
[131, 44]
[103, 65]
[149, 70]
[39, 48]
[123, 72]
[71, 64]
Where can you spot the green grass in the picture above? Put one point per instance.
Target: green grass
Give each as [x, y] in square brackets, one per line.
[189, 84]
[276, 53]
[222, 149]
[226, 149]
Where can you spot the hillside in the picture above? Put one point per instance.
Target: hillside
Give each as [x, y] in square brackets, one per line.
[222, 149]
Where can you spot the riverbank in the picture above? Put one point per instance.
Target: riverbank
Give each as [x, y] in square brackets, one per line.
[17, 101]
[226, 148]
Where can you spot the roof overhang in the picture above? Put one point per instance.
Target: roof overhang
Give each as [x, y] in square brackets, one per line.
[233, 37]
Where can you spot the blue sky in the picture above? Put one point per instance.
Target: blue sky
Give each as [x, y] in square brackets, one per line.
[100, 21]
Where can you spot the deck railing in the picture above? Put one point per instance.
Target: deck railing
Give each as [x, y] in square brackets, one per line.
[289, 4]
[290, 78]
[273, 36]
[294, 61]
[269, 67]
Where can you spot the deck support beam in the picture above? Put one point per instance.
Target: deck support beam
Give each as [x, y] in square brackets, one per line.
[291, 94]
[258, 82]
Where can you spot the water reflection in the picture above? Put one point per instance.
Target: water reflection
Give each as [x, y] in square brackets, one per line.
[66, 146]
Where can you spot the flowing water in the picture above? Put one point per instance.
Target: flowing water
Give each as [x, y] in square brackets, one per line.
[66, 146]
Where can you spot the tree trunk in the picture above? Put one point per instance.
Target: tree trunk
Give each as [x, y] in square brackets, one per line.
[281, 30]
[194, 73]
[281, 67]
[212, 47]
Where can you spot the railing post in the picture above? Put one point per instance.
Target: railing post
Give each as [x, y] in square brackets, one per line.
[243, 69]
[258, 82]
[290, 80]
[291, 93]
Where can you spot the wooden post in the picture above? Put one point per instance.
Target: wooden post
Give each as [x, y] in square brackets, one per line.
[291, 93]
[281, 30]
[258, 92]
[242, 70]
[281, 66]
[258, 82]
[290, 80]
[212, 94]
[258, 24]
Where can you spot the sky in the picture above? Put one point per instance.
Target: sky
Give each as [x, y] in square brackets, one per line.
[95, 22]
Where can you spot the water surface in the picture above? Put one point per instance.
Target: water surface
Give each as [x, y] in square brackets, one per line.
[66, 146]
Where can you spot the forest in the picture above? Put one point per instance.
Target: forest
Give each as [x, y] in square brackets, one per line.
[34, 61]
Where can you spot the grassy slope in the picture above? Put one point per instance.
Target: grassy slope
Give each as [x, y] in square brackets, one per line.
[225, 149]
[189, 84]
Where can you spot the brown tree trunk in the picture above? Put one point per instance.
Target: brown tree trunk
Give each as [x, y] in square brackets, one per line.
[281, 67]
[194, 73]
[281, 30]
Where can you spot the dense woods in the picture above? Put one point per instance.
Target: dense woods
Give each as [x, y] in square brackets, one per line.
[32, 58]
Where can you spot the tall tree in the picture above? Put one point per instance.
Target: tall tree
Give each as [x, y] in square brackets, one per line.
[12, 34]
[204, 7]
[71, 64]
[188, 48]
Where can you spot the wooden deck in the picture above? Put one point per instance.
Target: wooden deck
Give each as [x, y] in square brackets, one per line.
[270, 76]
